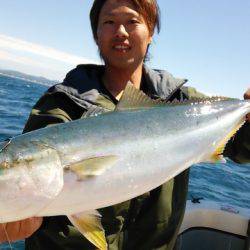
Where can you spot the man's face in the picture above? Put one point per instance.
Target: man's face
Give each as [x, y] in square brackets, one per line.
[122, 35]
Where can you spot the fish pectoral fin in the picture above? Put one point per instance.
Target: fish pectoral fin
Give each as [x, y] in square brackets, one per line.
[93, 166]
[217, 156]
[89, 225]
[133, 98]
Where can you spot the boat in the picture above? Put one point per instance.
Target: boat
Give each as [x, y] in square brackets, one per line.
[211, 225]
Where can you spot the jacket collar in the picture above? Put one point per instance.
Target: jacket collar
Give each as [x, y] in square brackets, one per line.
[160, 83]
[86, 78]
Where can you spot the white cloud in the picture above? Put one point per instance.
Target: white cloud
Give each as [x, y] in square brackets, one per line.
[37, 58]
[7, 56]
[8, 42]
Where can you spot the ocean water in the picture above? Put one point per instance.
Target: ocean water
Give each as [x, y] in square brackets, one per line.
[226, 183]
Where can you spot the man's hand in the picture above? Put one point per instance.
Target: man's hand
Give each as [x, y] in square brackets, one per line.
[247, 96]
[18, 230]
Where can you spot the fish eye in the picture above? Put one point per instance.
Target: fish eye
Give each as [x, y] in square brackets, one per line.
[5, 164]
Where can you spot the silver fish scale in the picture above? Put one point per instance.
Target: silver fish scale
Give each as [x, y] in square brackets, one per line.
[152, 145]
[96, 131]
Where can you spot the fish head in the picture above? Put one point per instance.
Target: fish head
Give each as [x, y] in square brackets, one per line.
[5, 159]
[12, 157]
[13, 171]
[26, 176]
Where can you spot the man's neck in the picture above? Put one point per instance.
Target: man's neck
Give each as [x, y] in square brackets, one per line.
[115, 80]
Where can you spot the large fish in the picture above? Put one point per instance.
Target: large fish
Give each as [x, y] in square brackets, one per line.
[75, 168]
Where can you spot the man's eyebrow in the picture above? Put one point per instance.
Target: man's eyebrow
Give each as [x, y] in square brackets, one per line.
[126, 14]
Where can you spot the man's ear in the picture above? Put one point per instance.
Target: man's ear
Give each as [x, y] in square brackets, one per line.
[150, 40]
[96, 41]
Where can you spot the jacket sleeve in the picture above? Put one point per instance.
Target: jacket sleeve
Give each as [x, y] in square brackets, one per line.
[52, 108]
[238, 148]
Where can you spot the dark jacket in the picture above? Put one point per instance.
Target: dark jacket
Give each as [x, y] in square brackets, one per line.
[150, 221]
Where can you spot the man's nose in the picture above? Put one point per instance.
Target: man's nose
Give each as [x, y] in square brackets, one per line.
[121, 31]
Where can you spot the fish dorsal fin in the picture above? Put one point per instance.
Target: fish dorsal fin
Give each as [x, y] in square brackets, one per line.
[133, 98]
[197, 101]
[93, 166]
[89, 225]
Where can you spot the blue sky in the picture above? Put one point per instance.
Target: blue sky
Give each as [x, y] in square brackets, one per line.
[206, 41]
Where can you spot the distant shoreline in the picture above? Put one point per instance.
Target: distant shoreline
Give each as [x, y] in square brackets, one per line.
[27, 80]
[27, 77]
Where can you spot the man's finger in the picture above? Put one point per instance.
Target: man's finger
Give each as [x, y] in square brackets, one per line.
[247, 94]
[18, 230]
[248, 117]
[3, 233]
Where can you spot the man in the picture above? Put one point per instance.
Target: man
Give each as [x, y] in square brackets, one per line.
[123, 32]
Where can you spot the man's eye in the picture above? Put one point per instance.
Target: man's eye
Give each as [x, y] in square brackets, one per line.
[108, 22]
[133, 21]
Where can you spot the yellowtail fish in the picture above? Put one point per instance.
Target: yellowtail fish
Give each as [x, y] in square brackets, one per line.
[75, 168]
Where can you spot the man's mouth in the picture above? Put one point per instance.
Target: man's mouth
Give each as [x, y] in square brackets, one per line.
[122, 47]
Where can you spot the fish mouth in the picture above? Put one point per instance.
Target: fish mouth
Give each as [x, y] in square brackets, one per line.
[4, 163]
[4, 144]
